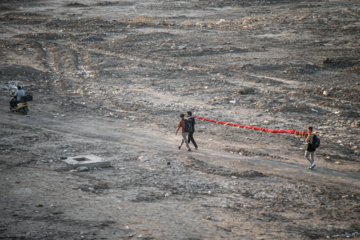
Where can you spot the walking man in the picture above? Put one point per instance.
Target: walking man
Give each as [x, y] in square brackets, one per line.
[191, 137]
[310, 150]
[184, 134]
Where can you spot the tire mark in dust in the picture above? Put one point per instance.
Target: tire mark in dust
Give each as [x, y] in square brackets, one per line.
[53, 65]
[178, 66]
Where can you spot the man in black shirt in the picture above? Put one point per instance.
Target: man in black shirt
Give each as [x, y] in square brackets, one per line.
[191, 137]
[310, 150]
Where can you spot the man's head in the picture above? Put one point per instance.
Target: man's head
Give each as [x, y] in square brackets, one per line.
[189, 113]
[310, 128]
[19, 87]
[182, 115]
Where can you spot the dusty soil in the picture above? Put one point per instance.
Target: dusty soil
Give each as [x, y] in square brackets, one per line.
[110, 78]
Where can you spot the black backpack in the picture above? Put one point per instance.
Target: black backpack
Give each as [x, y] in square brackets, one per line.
[316, 142]
[188, 126]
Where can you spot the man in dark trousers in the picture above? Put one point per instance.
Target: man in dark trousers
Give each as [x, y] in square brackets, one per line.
[310, 150]
[191, 137]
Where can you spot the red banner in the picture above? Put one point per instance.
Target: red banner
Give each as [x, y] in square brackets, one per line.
[260, 129]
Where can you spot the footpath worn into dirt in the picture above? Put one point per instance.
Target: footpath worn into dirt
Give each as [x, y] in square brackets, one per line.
[110, 78]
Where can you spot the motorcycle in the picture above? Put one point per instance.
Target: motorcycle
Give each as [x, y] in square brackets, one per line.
[21, 106]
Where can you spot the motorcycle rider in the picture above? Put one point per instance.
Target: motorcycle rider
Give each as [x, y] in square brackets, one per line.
[17, 97]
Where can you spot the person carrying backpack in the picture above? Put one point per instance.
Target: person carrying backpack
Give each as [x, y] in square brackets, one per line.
[185, 126]
[312, 142]
[191, 137]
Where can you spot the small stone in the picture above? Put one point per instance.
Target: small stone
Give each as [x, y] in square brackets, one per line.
[355, 124]
[208, 218]
[82, 169]
[246, 90]
[337, 163]
[144, 159]
[326, 93]
[326, 60]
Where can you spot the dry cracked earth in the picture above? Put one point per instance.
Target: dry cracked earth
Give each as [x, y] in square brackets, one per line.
[110, 78]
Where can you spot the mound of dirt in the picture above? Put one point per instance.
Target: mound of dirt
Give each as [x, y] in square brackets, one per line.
[7, 7]
[21, 73]
[250, 174]
[43, 36]
[93, 38]
[76, 4]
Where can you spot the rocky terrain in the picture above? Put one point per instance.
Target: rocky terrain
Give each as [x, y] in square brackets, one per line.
[110, 78]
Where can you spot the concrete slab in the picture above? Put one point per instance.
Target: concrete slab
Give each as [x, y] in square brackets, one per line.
[89, 161]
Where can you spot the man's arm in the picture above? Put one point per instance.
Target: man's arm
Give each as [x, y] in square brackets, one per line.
[178, 128]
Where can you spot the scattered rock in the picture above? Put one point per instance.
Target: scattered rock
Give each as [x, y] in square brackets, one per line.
[144, 159]
[355, 124]
[326, 93]
[92, 38]
[82, 169]
[246, 90]
[326, 60]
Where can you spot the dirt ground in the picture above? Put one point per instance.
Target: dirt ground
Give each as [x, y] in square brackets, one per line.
[110, 78]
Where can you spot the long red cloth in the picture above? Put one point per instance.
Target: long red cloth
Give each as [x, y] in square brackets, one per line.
[260, 129]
